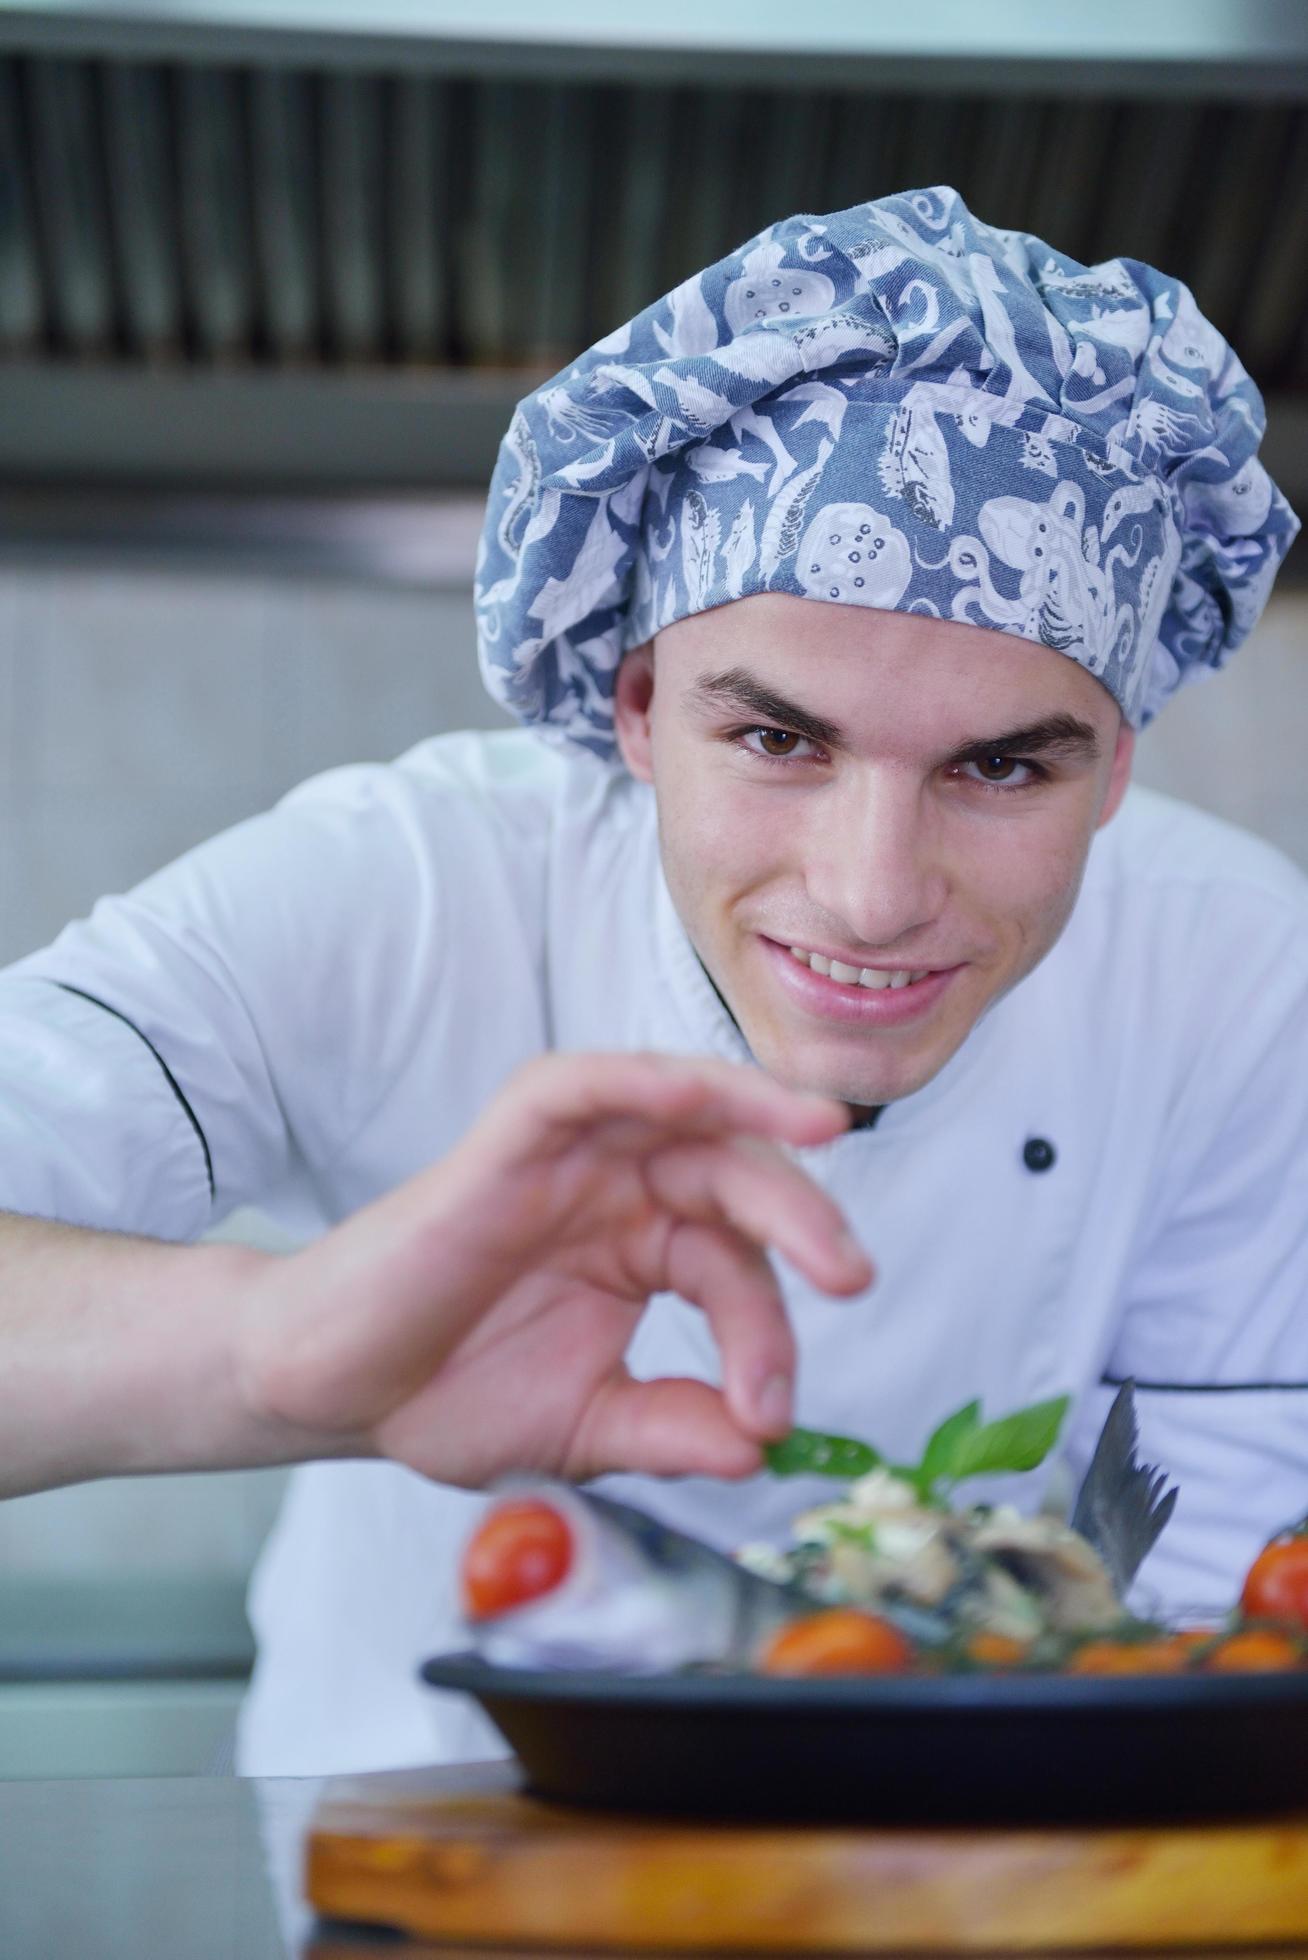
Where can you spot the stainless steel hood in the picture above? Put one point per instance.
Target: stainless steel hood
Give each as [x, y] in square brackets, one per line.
[1226, 45]
[251, 244]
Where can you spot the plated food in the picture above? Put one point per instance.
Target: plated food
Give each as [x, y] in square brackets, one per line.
[905, 1657]
[891, 1577]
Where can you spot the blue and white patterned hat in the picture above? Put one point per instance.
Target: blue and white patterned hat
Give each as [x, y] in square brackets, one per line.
[894, 406]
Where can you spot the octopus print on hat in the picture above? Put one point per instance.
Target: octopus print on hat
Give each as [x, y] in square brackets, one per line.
[894, 406]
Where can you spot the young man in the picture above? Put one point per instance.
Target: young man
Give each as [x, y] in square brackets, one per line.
[842, 577]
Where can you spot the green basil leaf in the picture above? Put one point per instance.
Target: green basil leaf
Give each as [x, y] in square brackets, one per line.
[939, 1455]
[1016, 1442]
[808, 1453]
[863, 1536]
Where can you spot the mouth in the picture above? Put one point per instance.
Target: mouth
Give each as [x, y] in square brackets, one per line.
[871, 996]
[874, 978]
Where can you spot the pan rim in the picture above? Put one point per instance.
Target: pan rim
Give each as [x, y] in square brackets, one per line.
[889, 1695]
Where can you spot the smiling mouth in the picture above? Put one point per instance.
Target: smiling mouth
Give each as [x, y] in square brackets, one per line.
[873, 977]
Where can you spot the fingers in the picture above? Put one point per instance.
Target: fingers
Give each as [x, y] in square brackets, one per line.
[730, 1280]
[668, 1428]
[560, 1093]
[766, 1198]
[638, 1113]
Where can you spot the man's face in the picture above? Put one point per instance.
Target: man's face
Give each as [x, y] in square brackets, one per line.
[894, 794]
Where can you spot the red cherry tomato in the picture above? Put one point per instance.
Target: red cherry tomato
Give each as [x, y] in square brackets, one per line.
[1166, 1655]
[1256, 1650]
[840, 1641]
[1277, 1584]
[521, 1550]
[996, 1649]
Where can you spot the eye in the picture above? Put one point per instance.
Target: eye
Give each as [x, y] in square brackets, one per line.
[773, 744]
[1001, 771]
[996, 768]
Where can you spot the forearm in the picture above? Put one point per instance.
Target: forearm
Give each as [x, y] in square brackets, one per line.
[119, 1356]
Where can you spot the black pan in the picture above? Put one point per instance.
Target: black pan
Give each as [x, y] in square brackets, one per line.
[961, 1748]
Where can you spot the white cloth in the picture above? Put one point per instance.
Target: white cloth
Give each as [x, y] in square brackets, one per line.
[338, 987]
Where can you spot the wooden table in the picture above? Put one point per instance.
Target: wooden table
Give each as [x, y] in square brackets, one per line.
[201, 1868]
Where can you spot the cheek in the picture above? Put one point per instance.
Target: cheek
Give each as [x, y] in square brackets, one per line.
[1025, 881]
[722, 855]
[714, 828]
[714, 853]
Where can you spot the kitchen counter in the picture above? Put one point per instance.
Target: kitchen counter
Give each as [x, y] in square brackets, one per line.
[204, 1868]
[176, 1868]
[169, 1868]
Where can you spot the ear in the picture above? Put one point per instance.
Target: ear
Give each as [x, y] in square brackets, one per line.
[1119, 777]
[633, 701]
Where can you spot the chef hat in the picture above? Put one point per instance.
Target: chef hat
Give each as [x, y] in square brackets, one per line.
[893, 406]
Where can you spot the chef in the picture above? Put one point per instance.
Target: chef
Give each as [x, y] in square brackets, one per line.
[832, 591]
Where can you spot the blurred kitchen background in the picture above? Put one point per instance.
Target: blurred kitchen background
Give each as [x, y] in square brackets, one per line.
[272, 274]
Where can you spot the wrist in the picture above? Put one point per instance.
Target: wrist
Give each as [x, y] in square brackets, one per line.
[275, 1355]
[188, 1408]
[120, 1356]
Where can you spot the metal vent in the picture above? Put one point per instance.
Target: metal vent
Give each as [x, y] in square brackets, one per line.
[219, 217]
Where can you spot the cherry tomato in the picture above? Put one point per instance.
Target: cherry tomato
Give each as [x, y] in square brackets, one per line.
[1256, 1650]
[1192, 1638]
[841, 1640]
[1162, 1656]
[521, 1550]
[1277, 1584]
[996, 1650]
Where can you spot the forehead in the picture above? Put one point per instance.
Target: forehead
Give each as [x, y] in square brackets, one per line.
[886, 678]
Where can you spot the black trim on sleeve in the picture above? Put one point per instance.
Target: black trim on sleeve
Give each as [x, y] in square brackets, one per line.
[169, 1077]
[1201, 1388]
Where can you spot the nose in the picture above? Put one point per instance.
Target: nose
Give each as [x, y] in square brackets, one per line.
[874, 863]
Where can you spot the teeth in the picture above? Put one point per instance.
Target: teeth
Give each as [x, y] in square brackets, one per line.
[875, 977]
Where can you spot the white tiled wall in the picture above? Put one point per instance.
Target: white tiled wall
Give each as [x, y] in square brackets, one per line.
[1237, 742]
[140, 712]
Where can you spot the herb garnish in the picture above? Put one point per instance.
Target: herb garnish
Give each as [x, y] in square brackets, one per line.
[962, 1446]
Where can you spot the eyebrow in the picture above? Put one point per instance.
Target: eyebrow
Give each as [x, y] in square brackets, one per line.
[1059, 737]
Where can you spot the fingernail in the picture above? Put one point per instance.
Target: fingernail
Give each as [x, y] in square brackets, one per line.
[773, 1403]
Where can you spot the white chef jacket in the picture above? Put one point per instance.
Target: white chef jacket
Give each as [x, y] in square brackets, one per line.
[312, 1006]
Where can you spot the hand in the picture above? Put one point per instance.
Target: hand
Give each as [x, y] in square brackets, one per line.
[475, 1320]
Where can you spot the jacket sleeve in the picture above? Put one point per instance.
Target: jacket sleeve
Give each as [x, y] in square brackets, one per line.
[240, 1012]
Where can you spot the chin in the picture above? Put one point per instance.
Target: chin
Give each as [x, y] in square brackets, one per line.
[863, 1080]
[886, 1085]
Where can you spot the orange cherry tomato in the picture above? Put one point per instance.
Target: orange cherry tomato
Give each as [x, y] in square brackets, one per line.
[1256, 1650]
[996, 1650]
[1163, 1656]
[841, 1640]
[1277, 1584]
[521, 1550]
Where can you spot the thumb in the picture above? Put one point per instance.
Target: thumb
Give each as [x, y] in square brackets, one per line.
[667, 1428]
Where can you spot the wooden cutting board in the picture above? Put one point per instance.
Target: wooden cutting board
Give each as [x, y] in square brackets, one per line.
[463, 1857]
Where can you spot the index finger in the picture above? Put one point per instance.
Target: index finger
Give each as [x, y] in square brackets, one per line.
[696, 1095]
